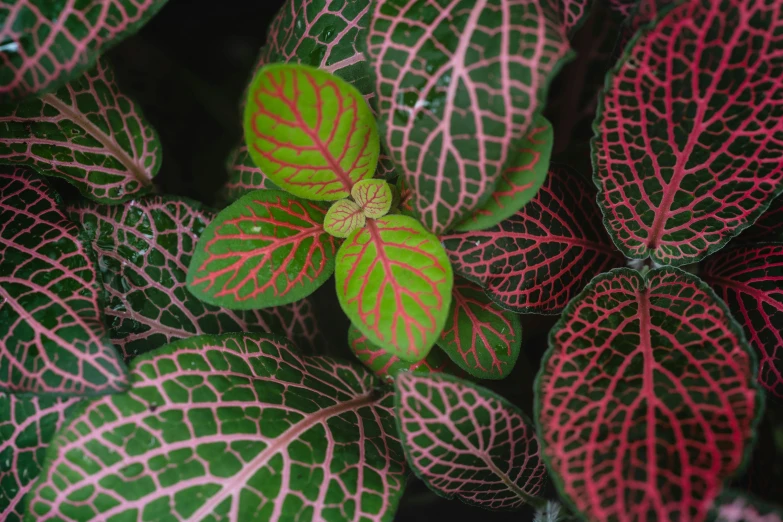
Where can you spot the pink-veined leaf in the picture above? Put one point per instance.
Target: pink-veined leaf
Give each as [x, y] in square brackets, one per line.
[374, 196]
[243, 175]
[465, 441]
[646, 400]
[88, 133]
[519, 182]
[733, 506]
[394, 282]
[27, 425]
[386, 365]
[237, 427]
[480, 337]
[52, 337]
[144, 249]
[46, 44]
[459, 83]
[690, 130]
[268, 248]
[750, 280]
[344, 217]
[572, 13]
[542, 256]
[310, 132]
[769, 227]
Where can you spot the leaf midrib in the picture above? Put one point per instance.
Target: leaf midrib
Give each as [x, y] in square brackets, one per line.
[237, 482]
[133, 169]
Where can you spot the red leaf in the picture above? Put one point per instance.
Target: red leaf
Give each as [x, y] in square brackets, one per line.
[646, 400]
[538, 259]
[690, 130]
[750, 281]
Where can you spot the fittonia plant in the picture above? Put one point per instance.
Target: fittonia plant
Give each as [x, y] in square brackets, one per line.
[161, 360]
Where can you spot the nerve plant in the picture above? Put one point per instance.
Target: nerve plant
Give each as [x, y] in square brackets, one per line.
[399, 144]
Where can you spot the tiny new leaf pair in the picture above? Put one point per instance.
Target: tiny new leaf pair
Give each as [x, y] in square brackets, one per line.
[314, 136]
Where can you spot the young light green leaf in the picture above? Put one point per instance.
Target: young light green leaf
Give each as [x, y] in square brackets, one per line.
[310, 132]
[269, 248]
[480, 337]
[344, 217]
[374, 196]
[519, 183]
[238, 428]
[394, 282]
[88, 133]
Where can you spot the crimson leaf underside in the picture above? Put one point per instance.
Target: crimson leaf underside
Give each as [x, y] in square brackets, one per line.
[255, 430]
[646, 400]
[144, 249]
[52, 338]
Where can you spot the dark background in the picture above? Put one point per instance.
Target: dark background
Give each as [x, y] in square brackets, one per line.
[188, 68]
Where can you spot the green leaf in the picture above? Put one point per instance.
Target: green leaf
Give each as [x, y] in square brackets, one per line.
[310, 132]
[459, 83]
[52, 336]
[649, 384]
[27, 425]
[465, 441]
[238, 427]
[386, 365]
[44, 44]
[374, 196]
[480, 337]
[88, 133]
[267, 249]
[344, 217]
[394, 283]
[144, 250]
[520, 182]
[243, 175]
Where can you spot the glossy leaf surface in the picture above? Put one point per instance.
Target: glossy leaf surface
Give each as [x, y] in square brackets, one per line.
[343, 217]
[542, 256]
[464, 441]
[243, 175]
[519, 183]
[27, 425]
[394, 282]
[480, 337]
[374, 196]
[459, 84]
[690, 130]
[750, 280]
[46, 44]
[310, 132]
[267, 249]
[88, 133]
[646, 400]
[144, 249]
[52, 338]
[386, 365]
[208, 431]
